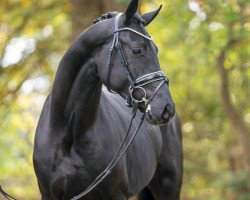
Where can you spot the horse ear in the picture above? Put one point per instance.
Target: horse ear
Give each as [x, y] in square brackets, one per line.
[131, 10]
[149, 17]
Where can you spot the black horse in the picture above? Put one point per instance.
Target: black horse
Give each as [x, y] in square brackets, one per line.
[82, 124]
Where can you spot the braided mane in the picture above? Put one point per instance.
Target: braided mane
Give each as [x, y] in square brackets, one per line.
[105, 16]
[110, 15]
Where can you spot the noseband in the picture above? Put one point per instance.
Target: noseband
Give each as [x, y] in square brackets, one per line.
[135, 84]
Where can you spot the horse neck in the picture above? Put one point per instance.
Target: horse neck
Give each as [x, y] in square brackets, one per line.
[77, 87]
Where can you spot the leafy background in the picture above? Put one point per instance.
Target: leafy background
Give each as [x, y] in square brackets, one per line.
[204, 49]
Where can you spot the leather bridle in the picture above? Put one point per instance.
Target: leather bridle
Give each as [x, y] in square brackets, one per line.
[135, 84]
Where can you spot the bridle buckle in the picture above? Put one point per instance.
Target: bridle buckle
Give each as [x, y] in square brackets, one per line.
[134, 98]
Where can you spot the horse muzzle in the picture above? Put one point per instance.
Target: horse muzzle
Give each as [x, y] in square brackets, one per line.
[158, 116]
[158, 102]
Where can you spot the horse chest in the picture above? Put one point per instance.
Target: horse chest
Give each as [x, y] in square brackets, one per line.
[138, 165]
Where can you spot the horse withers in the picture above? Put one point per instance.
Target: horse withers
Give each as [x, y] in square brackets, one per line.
[85, 118]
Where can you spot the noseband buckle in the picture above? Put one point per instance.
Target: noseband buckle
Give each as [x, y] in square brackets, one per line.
[135, 99]
[142, 81]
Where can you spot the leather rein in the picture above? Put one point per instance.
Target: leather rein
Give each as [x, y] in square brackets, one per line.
[132, 101]
[6, 195]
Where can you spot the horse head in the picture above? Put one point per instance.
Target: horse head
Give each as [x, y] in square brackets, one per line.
[133, 69]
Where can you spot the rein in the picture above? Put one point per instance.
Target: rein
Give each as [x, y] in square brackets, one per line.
[7, 196]
[117, 157]
[132, 101]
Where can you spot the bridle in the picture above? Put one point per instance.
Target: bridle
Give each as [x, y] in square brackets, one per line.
[135, 84]
[132, 101]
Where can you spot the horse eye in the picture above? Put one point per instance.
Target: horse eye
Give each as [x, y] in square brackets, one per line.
[136, 52]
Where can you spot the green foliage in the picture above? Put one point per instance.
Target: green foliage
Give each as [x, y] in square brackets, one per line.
[190, 44]
[47, 25]
[190, 40]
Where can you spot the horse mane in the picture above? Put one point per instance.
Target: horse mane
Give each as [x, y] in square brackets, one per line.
[110, 15]
[105, 16]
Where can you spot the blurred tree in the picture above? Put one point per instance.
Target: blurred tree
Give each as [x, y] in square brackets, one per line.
[33, 37]
[206, 43]
[237, 36]
[29, 55]
[92, 10]
[31, 26]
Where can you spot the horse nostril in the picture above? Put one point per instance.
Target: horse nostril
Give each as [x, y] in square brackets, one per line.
[166, 112]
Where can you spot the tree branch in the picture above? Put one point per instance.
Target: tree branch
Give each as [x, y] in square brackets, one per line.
[234, 116]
